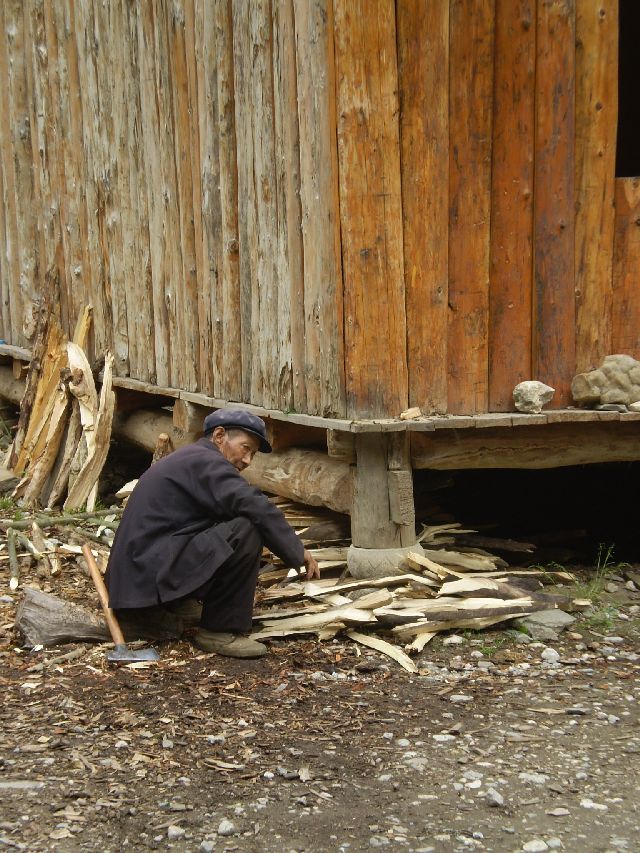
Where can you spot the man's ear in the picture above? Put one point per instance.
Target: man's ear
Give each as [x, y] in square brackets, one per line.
[217, 435]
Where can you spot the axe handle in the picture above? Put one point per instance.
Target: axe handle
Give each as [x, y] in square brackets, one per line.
[109, 615]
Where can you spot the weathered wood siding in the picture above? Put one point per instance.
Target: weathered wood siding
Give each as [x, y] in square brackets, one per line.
[339, 207]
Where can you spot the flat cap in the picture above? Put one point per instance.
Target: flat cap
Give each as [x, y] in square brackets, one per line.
[238, 419]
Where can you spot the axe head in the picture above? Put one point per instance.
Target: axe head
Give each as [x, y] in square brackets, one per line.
[123, 654]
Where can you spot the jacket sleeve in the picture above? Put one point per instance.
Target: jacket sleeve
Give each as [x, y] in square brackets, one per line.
[232, 496]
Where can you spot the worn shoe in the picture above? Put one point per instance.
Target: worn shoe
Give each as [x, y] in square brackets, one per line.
[229, 645]
[188, 609]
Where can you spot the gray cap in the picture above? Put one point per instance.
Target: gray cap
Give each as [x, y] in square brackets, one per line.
[238, 419]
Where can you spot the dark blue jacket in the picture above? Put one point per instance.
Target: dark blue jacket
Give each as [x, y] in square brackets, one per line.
[167, 545]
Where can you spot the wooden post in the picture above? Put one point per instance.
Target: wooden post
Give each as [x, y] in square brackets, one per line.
[382, 516]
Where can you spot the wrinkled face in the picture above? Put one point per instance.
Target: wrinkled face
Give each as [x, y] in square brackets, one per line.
[236, 445]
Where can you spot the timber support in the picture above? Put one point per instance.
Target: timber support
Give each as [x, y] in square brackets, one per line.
[382, 515]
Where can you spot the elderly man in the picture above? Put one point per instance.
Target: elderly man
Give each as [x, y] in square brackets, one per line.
[194, 528]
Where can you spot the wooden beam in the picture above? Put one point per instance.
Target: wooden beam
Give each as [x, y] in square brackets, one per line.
[303, 475]
[341, 445]
[382, 515]
[550, 446]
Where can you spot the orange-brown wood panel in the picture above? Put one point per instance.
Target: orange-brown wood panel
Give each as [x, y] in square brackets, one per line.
[423, 71]
[511, 201]
[470, 120]
[554, 211]
[626, 268]
[370, 207]
[596, 125]
[321, 291]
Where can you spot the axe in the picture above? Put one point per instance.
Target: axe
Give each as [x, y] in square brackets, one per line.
[122, 653]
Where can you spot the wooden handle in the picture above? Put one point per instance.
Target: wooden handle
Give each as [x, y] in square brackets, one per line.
[96, 577]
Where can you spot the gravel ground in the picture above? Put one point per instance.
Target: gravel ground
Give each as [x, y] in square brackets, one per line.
[499, 744]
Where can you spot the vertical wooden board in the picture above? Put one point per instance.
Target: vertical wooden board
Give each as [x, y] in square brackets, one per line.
[243, 105]
[322, 290]
[626, 264]
[264, 321]
[203, 334]
[135, 218]
[152, 180]
[423, 70]
[230, 382]
[209, 243]
[96, 176]
[371, 208]
[596, 123]
[59, 218]
[42, 135]
[554, 202]
[470, 121]
[109, 48]
[18, 168]
[183, 101]
[9, 247]
[289, 259]
[72, 173]
[510, 284]
[168, 191]
[5, 318]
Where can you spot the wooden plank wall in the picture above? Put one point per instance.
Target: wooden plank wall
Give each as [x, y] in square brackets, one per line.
[340, 207]
[180, 158]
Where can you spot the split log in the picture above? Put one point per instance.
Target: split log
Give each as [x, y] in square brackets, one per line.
[60, 474]
[45, 620]
[84, 488]
[45, 315]
[384, 647]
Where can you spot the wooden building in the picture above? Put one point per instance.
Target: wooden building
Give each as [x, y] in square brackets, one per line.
[334, 208]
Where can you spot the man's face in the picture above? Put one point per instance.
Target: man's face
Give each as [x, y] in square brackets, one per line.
[236, 445]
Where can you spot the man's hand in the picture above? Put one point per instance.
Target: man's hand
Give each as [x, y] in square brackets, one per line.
[311, 565]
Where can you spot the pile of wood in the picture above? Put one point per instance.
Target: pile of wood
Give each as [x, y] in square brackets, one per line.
[442, 589]
[64, 428]
[454, 584]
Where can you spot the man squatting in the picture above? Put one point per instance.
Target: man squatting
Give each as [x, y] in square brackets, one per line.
[193, 529]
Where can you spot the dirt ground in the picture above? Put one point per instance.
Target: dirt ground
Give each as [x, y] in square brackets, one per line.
[497, 745]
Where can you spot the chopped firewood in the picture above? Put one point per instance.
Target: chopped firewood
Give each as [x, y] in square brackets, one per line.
[47, 336]
[126, 490]
[472, 562]
[323, 632]
[386, 648]
[41, 548]
[436, 625]
[420, 642]
[83, 489]
[318, 587]
[62, 469]
[14, 566]
[164, 446]
[311, 621]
